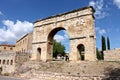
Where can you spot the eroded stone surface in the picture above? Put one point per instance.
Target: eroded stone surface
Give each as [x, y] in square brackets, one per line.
[112, 55]
[80, 26]
[96, 70]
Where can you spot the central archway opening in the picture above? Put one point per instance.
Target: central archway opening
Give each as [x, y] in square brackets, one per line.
[58, 44]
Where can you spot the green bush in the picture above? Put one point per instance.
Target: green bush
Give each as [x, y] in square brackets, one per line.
[0, 70]
[6, 74]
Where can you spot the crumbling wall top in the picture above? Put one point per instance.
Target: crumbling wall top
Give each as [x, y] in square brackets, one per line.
[65, 16]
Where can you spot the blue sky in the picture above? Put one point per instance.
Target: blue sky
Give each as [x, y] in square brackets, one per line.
[17, 17]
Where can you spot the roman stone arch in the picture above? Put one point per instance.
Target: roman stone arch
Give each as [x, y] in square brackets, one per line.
[80, 26]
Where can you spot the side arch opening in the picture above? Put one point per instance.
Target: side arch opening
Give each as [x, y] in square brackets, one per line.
[38, 53]
[81, 50]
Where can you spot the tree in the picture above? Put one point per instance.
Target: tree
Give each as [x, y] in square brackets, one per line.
[103, 43]
[98, 54]
[58, 48]
[103, 47]
[108, 43]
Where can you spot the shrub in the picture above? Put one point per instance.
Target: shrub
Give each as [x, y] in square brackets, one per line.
[6, 74]
[0, 70]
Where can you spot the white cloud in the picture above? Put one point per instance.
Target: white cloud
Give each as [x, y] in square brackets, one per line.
[1, 13]
[61, 38]
[15, 30]
[66, 36]
[64, 39]
[58, 38]
[99, 8]
[97, 28]
[100, 31]
[117, 3]
[92, 3]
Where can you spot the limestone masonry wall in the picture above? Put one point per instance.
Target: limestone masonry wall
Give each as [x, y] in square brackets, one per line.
[57, 76]
[80, 26]
[112, 55]
[22, 57]
[7, 62]
[10, 61]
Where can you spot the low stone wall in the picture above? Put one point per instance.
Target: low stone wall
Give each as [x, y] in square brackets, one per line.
[10, 61]
[22, 57]
[61, 70]
[112, 55]
[58, 76]
[7, 62]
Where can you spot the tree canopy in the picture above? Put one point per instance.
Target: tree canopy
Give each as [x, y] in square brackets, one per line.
[103, 44]
[108, 43]
[58, 48]
[103, 47]
[98, 54]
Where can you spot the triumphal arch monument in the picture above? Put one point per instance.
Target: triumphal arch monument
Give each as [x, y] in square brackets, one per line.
[78, 23]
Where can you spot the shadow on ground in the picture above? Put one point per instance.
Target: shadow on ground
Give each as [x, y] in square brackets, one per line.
[112, 74]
